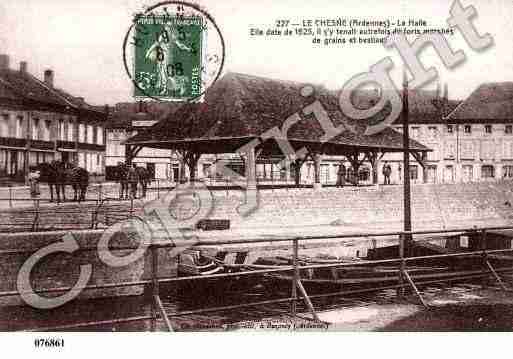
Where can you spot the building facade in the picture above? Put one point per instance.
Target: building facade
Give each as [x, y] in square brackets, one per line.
[41, 123]
[125, 120]
[472, 142]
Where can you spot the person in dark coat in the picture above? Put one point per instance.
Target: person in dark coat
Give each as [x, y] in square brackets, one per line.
[341, 175]
[133, 179]
[387, 170]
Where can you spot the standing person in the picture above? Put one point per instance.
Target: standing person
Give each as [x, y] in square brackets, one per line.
[33, 179]
[341, 175]
[133, 178]
[387, 170]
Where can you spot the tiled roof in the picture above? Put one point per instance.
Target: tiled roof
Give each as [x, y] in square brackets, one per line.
[23, 87]
[424, 106]
[122, 115]
[242, 106]
[490, 102]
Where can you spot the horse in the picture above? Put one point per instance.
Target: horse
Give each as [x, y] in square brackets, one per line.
[78, 177]
[51, 174]
[121, 176]
[58, 174]
[144, 179]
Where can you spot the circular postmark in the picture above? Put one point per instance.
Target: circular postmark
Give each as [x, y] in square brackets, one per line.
[173, 51]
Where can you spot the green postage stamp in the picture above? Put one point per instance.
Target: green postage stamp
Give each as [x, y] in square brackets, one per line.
[168, 57]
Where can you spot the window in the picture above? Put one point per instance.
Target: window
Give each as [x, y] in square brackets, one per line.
[449, 129]
[487, 150]
[4, 126]
[467, 173]
[90, 134]
[62, 133]
[414, 172]
[19, 127]
[448, 174]
[467, 149]
[415, 132]
[488, 128]
[507, 172]
[99, 134]
[364, 174]
[487, 171]
[46, 130]
[81, 132]
[35, 129]
[450, 149]
[508, 129]
[206, 170]
[433, 131]
[467, 129]
[71, 134]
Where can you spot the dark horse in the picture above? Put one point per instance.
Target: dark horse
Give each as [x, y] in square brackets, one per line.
[144, 179]
[121, 176]
[58, 174]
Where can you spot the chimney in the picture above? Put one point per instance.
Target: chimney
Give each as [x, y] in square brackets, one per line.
[4, 62]
[446, 92]
[48, 76]
[23, 67]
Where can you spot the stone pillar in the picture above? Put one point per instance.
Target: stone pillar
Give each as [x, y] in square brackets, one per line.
[251, 169]
[287, 171]
[374, 161]
[424, 168]
[317, 171]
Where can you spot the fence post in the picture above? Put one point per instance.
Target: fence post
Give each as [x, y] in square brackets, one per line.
[100, 194]
[131, 206]
[10, 195]
[484, 255]
[295, 250]
[36, 218]
[158, 189]
[400, 290]
[155, 287]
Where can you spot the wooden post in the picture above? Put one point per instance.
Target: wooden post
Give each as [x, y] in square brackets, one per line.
[406, 160]
[484, 255]
[35, 225]
[250, 170]
[10, 195]
[317, 171]
[424, 168]
[155, 286]
[295, 250]
[100, 194]
[400, 290]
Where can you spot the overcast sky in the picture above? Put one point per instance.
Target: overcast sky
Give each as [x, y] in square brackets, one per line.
[81, 41]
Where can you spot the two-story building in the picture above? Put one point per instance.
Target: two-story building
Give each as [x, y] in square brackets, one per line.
[471, 140]
[125, 120]
[40, 123]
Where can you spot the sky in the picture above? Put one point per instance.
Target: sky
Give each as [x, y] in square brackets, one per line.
[82, 41]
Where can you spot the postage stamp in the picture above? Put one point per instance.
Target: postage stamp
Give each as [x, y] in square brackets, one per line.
[168, 56]
[173, 51]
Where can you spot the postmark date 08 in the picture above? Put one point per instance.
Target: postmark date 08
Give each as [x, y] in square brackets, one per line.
[49, 342]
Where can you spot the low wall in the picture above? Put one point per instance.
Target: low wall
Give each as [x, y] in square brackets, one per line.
[62, 269]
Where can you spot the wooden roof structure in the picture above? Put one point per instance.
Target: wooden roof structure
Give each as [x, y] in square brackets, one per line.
[239, 108]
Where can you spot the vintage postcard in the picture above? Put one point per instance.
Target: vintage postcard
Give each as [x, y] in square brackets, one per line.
[271, 166]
